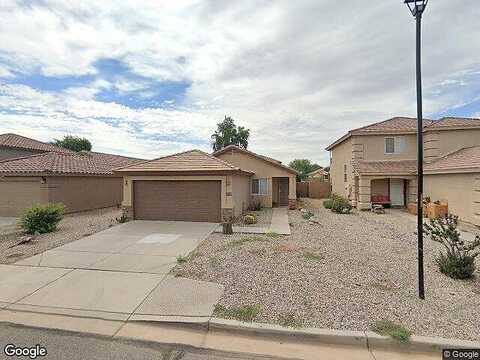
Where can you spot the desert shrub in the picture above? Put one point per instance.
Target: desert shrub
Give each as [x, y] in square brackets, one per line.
[41, 219]
[255, 205]
[250, 219]
[458, 260]
[341, 205]
[327, 204]
[308, 215]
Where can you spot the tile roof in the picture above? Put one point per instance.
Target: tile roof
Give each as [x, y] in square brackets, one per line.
[407, 125]
[262, 157]
[463, 159]
[193, 160]
[394, 124]
[364, 167]
[454, 122]
[86, 163]
[22, 142]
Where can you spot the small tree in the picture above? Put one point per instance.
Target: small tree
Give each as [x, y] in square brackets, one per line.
[228, 133]
[304, 167]
[73, 143]
[458, 261]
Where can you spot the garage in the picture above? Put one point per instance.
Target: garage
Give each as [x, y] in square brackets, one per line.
[177, 200]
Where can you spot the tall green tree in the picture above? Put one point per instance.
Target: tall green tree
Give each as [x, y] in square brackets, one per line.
[228, 133]
[304, 167]
[73, 143]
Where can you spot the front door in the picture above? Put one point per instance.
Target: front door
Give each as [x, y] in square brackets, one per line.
[397, 197]
[283, 191]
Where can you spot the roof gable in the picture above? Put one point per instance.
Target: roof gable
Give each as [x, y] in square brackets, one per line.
[269, 160]
[193, 160]
[400, 125]
[22, 142]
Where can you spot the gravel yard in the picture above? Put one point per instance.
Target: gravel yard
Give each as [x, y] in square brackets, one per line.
[344, 273]
[71, 228]
[264, 218]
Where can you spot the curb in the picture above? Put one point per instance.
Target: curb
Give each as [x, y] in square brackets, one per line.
[342, 337]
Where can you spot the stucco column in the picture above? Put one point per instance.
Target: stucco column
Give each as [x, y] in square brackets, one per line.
[292, 192]
[476, 201]
[127, 203]
[412, 191]
[364, 194]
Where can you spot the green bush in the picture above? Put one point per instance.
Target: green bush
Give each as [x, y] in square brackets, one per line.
[458, 261]
[341, 205]
[308, 215]
[40, 219]
[327, 204]
[456, 267]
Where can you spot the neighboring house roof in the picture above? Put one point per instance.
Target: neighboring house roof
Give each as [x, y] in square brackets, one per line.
[318, 171]
[22, 142]
[55, 163]
[405, 125]
[463, 160]
[387, 167]
[258, 156]
[188, 161]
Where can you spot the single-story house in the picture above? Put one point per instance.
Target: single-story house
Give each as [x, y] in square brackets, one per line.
[14, 146]
[319, 174]
[81, 181]
[196, 186]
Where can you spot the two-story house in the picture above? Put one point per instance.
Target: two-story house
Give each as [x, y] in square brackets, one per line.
[377, 163]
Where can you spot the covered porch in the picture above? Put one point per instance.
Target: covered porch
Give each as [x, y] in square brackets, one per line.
[388, 183]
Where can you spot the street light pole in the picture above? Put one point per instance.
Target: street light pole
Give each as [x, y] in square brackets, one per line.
[417, 7]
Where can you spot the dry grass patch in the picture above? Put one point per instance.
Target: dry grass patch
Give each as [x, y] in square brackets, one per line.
[312, 256]
[290, 320]
[246, 313]
[395, 331]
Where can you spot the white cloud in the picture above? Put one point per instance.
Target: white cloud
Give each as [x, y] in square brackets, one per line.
[299, 74]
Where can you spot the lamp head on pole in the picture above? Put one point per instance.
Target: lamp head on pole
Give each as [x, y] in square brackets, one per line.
[417, 7]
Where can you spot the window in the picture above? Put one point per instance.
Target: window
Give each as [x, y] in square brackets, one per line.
[259, 186]
[389, 145]
[345, 173]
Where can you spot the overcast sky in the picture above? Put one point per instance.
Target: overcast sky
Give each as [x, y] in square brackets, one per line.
[149, 78]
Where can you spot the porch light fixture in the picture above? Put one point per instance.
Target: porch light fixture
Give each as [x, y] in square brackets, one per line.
[417, 7]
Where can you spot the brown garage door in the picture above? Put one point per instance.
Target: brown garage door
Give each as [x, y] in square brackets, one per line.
[177, 200]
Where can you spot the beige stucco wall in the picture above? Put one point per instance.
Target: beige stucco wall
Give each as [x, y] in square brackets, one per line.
[261, 169]
[76, 193]
[461, 191]
[19, 193]
[341, 155]
[374, 147]
[452, 140]
[241, 194]
[80, 193]
[12, 153]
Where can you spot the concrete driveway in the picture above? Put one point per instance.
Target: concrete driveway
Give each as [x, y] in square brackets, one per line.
[116, 274]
